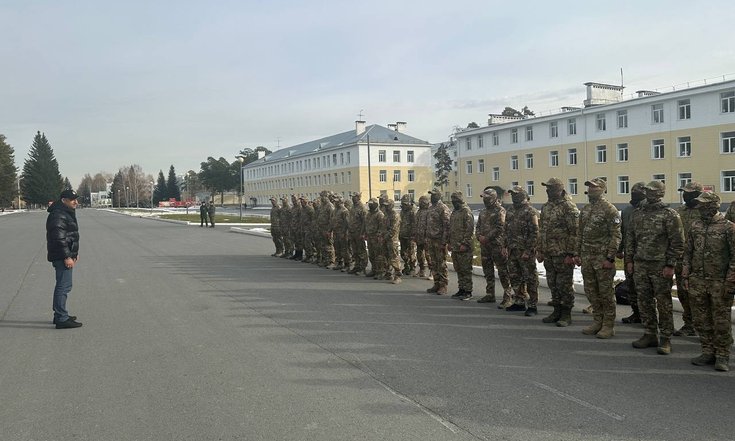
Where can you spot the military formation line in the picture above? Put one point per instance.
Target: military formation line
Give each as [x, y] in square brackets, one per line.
[693, 245]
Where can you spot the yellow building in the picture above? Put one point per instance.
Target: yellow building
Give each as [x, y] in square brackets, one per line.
[674, 137]
[372, 159]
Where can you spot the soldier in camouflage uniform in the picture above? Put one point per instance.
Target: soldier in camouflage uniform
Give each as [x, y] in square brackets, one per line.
[316, 233]
[338, 225]
[422, 251]
[286, 228]
[323, 222]
[406, 235]
[461, 229]
[637, 195]
[688, 214]
[348, 246]
[557, 247]
[709, 274]
[599, 239]
[389, 234]
[373, 227]
[490, 232]
[652, 250]
[275, 227]
[521, 235]
[297, 234]
[437, 238]
[308, 218]
[357, 234]
[730, 214]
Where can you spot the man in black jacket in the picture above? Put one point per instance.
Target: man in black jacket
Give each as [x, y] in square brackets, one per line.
[62, 243]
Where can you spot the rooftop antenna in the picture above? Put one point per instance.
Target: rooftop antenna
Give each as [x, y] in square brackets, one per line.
[622, 84]
[359, 115]
[278, 141]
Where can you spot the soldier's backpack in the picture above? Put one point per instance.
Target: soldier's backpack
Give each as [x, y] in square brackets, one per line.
[622, 293]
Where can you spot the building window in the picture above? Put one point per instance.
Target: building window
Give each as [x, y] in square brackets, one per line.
[383, 176]
[728, 180]
[728, 142]
[529, 133]
[409, 156]
[623, 152]
[514, 184]
[657, 149]
[348, 157]
[554, 158]
[622, 119]
[349, 177]
[480, 166]
[660, 177]
[529, 188]
[396, 195]
[685, 109]
[728, 101]
[496, 173]
[342, 158]
[342, 178]
[684, 179]
[601, 122]
[411, 176]
[572, 157]
[383, 193]
[529, 160]
[480, 143]
[381, 155]
[468, 144]
[685, 146]
[573, 186]
[657, 113]
[396, 176]
[468, 190]
[572, 126]
[468, 166]
[601, 154]
[514, 162]
[412, 195]
[496, 141]
[396, 156]
[623, 185]
[514, 136]
[554, 129]
[335, 180]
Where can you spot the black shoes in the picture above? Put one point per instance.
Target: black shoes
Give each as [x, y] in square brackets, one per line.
[68, 324]
[516, 307]
[71, 317]
[530, 312]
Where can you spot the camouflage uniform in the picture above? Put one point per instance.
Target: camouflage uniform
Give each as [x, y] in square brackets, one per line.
[422, 251]
[599, 239]
[407, 234]
[461, 228]
[297, 234]
[316, 232]
[357, 234]
[275, 227]
[373, 226]
[688, 215]
[521, 233]
[308, 219]
[654, 246]
[325, 237]
[286, 228]
[437, 237]
[338, 225]
[557, 247]
[490, 232]
[637, 194]
[389, 234]
[730, 214]
[709, 265]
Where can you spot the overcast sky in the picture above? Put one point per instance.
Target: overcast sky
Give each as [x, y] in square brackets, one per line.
[171, 82]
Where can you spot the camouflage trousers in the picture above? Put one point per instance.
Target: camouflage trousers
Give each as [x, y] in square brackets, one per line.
[408, 254]
[523, 278]
[341, 249]
[359, 253]
[327, 246]
[376, 255]
[287, 242]
[309, 251]
[711, 308]
[598, 287]
[297, 237]
[491, 257]
[683, 295]
[462, 262]
[392, 257]
[438, 259]
[277, 240]
[654, 294]
[632, 293]
[422, 255]
[560, 278]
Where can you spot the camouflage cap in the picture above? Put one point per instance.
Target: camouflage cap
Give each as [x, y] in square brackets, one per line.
[638, 187]
[405, 199]
[435, 191]
[596, 182]
[553, 182]
[384, 200]
[458, 196]
[708, 198]
[517, 189]
[489, 192]
[273, 199]
[692, 186]
[324, 193]
[655, 185]
[372, 201]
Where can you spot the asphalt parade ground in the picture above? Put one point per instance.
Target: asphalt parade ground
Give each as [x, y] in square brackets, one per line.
[198, 334]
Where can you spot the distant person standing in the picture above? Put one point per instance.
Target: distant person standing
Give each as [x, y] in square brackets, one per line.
[210, 213]
[62, 243]
[203, 216]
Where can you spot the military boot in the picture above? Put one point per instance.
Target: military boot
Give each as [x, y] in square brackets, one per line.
[595, 327]
[458, 294]
[722, 363]
[646, 341]
[554, 316]
[396, 280]
[704, 360]
[442, 291]
[531, 311]
[433, 289]
[421, 273]
[686, 330]
[507, 301]
[516, 307]
[664, 346]
[489, 298]
[608, 328]
[565, 316]
[633, 318]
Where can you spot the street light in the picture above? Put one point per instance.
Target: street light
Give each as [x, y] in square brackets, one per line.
[241, 159]
[152, 196]
[127, 197]
[19, 178]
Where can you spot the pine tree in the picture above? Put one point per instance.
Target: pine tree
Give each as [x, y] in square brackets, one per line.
[67, 184]
[160, 193]
[172, 185]
[443, 166]
[8, 174]
[42, 181]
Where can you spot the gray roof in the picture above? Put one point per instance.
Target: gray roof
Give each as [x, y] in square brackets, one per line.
[378, 134]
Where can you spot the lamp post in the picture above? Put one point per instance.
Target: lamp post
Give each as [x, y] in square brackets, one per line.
[152, 196]
[241, 159]
[127, 197]
[19, 178]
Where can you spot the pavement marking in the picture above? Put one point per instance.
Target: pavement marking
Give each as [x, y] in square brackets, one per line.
[582, 403]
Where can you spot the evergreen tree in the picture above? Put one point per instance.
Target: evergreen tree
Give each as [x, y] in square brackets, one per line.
[67, 184]
[172, 185]
[160, 193]
[118, 189]
[85, 188]
[42, 181]
[443, 166]
[8, 174]
[219, 176]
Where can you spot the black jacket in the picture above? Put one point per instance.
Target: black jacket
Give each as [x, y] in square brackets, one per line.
[62, 232]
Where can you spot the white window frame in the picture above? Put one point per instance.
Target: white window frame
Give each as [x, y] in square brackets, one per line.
[396, 156]
[383, 175]
[658, 149]
[685, 109]
[480, 166]
[684, 178]
[514, 136]
[468, 167]
[529, 133]
[573, 186]
[410, 156]
[622, 152]
[554, 158]
[396, 176]
[572, 158]
[601, 122]
[622, 119]
[529, 161]
[684, 144]
[572, 126]
[496, 174]
[659, 177]
[657, 113]
[727, 181]
[396, 195]
[496, 139]
[623, 184]
[468, 143]
[480, 142]
[530, 188]
[468, 190]
[411, 175]
[381, 155]
[601, 154]
[727, 102]
[553, 129]
[727, 143]
[514, 162]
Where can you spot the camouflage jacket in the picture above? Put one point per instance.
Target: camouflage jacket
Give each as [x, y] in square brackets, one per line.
[419, 229]
[558, 224]
[461, 228]
[710, 250]
[491, 226]
[391, 225]
[324, 217]
[730, 214]
[308, 216]
[437, 223]
[521, 228]
[408, 223]
[626, 215]
[374, 224]
[599, 230]
[655, 234]
[357, 220]
[296, 220]
[339, 222]
[275, 218]
[285, 219]
[688, 217]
